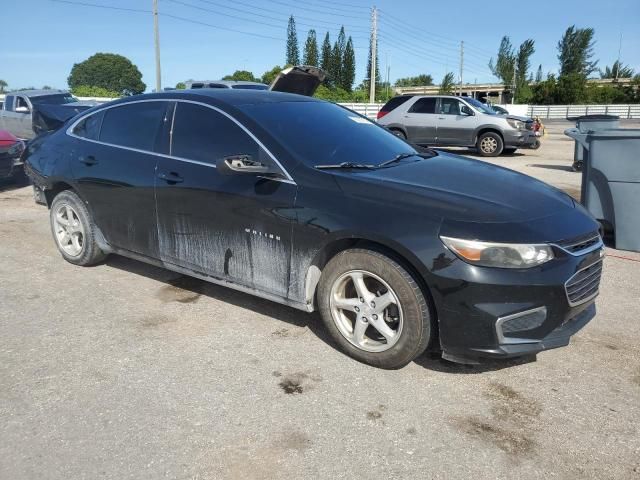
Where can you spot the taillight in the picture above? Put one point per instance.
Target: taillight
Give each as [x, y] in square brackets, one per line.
[381, 114]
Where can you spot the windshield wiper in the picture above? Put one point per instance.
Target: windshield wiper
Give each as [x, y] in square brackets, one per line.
[346, 165]
[402, 156]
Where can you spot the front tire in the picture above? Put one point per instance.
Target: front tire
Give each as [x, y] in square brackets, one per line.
[73, 230]
[490, 144]
[374, 309]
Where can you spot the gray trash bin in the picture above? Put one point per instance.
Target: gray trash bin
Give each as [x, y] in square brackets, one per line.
[590, 123]
[611, 181]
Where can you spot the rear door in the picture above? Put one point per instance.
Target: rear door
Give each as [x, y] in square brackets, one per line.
[235, 227]
[456, 123]
[113, 162]
[421, 121]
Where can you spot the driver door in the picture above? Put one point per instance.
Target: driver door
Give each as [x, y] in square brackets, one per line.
[456, 123]
[230, 225]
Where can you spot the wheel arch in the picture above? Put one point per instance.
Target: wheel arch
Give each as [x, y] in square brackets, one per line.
[397, 126]
[57, 188]
[388, 248]
[486, 129]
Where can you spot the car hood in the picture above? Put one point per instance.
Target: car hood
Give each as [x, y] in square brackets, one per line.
[518, 117]
[463, 191]
[303, 80]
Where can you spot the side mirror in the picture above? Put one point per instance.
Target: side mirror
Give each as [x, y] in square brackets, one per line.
[22, 110]
[242, 164]
[466, 111]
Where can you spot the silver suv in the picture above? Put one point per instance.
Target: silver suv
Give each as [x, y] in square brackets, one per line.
[443, 120]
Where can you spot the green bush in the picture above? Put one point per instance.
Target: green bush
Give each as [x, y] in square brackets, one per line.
[88, 91]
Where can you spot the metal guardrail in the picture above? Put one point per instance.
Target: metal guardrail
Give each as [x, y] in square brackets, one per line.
[565, 111]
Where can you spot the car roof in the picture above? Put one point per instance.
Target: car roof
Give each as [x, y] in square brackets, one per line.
[38, 93]
[230, 97]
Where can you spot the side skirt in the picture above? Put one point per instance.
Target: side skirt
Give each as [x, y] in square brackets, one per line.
[208, 278]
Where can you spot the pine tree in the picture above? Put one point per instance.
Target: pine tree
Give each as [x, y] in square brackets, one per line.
[348, 66]
[310, 54]
[293, 53]
[325, 59]
[539, 74]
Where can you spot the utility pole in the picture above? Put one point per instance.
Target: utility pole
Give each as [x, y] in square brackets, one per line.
[618, 62]
[461, 64]
[386, 96]
[374, 53]
[156, 32]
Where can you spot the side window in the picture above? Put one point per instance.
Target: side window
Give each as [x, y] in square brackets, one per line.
[424, 105]
[203, 134]
[89, 127]
[133, 125]
[8, 103]
[21, 103]
[449, 106]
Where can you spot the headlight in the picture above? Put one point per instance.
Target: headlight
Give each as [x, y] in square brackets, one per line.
[517, 124]
[17, 149]
[500, 255]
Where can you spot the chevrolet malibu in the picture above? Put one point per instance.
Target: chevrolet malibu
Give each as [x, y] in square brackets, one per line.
[306, 203]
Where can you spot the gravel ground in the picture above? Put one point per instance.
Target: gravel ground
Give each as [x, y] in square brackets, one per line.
[127, 371]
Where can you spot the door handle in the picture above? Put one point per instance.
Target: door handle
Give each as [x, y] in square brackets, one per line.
[171, 177]
[88, 160]
[441, 118]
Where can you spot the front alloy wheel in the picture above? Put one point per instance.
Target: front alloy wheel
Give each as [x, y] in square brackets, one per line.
[373, 308]
[366, 311]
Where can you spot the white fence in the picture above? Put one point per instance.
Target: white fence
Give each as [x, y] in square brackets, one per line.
[565, 111]
[367, 109]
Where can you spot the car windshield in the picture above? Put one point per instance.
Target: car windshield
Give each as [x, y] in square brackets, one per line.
[323, 133]
[481, 107]
[59, 99]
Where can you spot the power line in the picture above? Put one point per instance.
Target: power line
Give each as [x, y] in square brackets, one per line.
[290, 5]
[254, 7]
[107, 7]
[336, 3]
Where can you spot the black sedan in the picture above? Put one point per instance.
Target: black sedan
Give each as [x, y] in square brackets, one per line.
[309, 204]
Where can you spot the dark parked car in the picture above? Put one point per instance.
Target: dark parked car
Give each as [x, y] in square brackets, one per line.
[11, 149]
[308, 204]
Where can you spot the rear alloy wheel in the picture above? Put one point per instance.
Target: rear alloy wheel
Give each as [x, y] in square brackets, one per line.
[490, 144]
[74, 230]
[374, 309]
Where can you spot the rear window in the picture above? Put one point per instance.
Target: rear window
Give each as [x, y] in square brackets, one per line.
[133, 125]
[58, 99]
[424, 105]
[323, 133]
[89, 127]
[395, 102]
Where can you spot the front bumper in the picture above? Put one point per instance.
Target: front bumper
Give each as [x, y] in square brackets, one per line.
[519, 138]
[502, 313]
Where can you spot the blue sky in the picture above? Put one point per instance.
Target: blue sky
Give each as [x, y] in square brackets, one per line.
[416, 36]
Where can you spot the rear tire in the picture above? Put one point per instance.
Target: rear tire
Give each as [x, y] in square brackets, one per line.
[387, 335]
[490, 144]
[73, 230]
[398, 133]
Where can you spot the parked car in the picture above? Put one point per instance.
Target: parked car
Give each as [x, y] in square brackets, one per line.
[11, 149]
[237, 84]
[29, 112]
[300, 79]
[311, 205]
[445, 120]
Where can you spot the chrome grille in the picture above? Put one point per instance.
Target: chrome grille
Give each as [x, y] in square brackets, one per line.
[584, 285]
[579, 245]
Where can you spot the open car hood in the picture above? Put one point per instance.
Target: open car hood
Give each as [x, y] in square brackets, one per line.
[51, 117]
[303, 80]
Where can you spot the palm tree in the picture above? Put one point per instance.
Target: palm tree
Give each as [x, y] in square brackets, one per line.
[447, 84]
[617, 70]
[3, 85]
